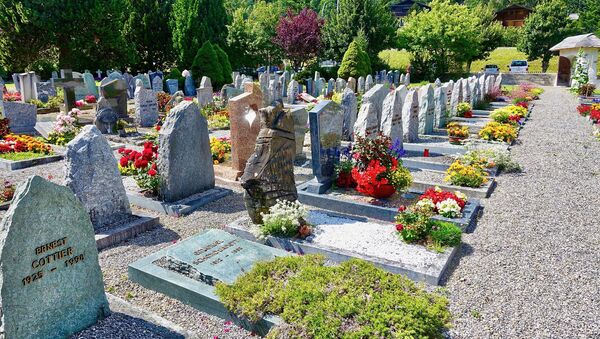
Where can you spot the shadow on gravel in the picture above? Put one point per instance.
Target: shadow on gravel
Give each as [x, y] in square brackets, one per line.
[464, 251]
[119, 325]
[159, 235]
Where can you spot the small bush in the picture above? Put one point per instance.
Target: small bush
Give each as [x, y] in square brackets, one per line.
[446, 234]
[352, 300]
[354, 63]
[206, 63]
[225, 64]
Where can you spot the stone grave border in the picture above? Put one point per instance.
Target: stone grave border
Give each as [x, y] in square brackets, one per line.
[191, 292]
[480, 192]
[348, 207]
[338, 255]
[181, 207]
[21, 164]
[125, 231]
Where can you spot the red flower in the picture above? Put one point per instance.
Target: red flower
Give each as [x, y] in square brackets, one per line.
[124, 162]
[152, 172]
[468, 114]
[439, 196]
[147, 154]
[356, 156]
[157, 127]
[153, 167]
[399, 227]
[402, 208]
[595, 115]
[523, 104]
[140, 163]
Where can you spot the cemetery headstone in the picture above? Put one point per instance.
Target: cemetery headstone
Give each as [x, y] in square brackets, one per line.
[466, 90]
[300, 116]
[369, 115]
[99, 74]
[407, 79]
[68, 83]
[391, 118]
[172, 85]
[426, 110]
[440, 102]
[293, 91]
[368, 83]
[130, 81]
[15, 78]
[449, 87]
[27, 86]
[115, 91]
[351, 84]
[275, 90]
[410, 116]
[245, 125]
[106, 117]
[54, 75]
[457, 97]
[92, 174]
[21, 116]
[350, 108]
[45, 90]
[401, 82]
[269, 173]
[51, 280]
[189, 88]
[330, 86]
[146, 105]
[396, 78]
[90, 84]
[229, 91]
[326, 126]
[360, 85]
[309, 86]
[185, 161]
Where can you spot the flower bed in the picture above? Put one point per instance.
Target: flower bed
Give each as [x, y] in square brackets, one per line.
[464, 110]
[468, 175]
[457, 132]
[510, 114]
[65, 128]
[220, 149]
[142, 167]
[373, 167]
[525, 92]
[495, 131]
[23, 143]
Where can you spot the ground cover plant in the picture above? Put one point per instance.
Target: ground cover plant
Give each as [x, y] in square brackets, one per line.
[468, 175]
[286, 219]
[495, 131]
[352, 300]
[65, 128]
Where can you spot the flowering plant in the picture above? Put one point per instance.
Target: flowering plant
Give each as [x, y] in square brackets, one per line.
[23, 143]
[584, 110]
[414, 225]
[595, 113]
[285, 218]
[464, 110]
[142, 166]
[65, 128]
[14, 96]
[7, 191]
[510, 114]
[4, 130]
[457, 130]
[472, 175]
[163, 99]
[90, 99]
[447, 204]
[495, 131]
[523, 104]
[219, 148]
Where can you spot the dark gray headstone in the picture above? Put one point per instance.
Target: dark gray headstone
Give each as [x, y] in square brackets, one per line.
[50, 277]
[45, 89]
[115, 91]
[189, 88]
[184, 157]
[92, 174]
[173, 86]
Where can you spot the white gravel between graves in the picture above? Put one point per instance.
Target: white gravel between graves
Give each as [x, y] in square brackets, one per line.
[531, 267]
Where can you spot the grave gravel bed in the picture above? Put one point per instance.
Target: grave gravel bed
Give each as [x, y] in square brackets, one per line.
[530, 268]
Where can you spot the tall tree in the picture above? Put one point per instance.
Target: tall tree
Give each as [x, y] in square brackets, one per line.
[81, 34]
[589, 17]
[225, 64]
[194, 22]
[491, 34]
[350, 16]
[147, 30]
[440, 39]
[299, 36]
[548, 25]
[262, 21]
[239, 40]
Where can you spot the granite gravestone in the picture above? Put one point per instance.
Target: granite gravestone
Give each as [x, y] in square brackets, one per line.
[269, 173]
[391, 117]
[68, 83]
[369, 115]
[27, 86]
[184, 157]
[245, 125]
[350, 107]
[106, 118]
[351, 84]
[205, 92]
[45, 90]
[360, 86]
[456, 98]
[300, 116]
[369, 82]
[292, 92]
[410, 116]
[130, 81]
[426, 116]
[172, 86]
[146, 105]
[92, 174]
[51, 283]
[157, 84]
[90, 84]
[21, 117]
[326, 125]
[115, 91]
[440, 102]
[466, 90]
[189, 88]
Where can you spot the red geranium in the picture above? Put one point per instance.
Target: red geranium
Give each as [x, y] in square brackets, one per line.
[584, 110]
[524, 104]
[370, 181]
[514, 118]
[440, 195]
[90, 99]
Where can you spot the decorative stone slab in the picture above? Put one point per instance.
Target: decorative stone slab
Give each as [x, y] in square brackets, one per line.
[188, 271]
[128, 230]
[426, 271]
[177, 208]
[16, 165]
[352, 207]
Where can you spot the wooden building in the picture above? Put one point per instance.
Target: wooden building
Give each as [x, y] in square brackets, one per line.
[513, 15]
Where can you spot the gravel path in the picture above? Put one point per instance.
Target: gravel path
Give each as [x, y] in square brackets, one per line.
[530, 269]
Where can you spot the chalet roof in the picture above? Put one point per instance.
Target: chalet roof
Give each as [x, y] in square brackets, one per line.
[402, 8]
[578, 41]
[511, 7]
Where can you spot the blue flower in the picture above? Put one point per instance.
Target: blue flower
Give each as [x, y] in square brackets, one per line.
[397, 150]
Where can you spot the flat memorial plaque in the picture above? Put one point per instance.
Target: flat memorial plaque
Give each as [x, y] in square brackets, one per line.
[188, 271]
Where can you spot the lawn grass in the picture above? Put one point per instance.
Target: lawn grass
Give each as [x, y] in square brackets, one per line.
[22, 156]
[399, 59]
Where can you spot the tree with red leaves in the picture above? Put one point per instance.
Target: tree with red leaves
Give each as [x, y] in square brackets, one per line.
[299, 36]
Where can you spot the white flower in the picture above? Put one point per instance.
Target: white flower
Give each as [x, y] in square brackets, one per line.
[426, 204]
[461, 195]
[448, 208]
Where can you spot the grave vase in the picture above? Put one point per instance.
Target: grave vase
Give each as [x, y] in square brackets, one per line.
[384, 191]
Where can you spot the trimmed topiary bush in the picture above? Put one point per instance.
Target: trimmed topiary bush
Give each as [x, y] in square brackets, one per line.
[225, 64]
[352, 300]
[355, 63]
[206, 63]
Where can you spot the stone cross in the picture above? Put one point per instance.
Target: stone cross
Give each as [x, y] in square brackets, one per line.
[99, 74]
[68, 83]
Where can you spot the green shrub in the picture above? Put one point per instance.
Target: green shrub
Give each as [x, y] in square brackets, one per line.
[355, 62]
[206, 63]
[352, 300]
[446, 234]
[225, 65]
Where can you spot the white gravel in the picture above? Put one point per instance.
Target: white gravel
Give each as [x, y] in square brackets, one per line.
[530, 269]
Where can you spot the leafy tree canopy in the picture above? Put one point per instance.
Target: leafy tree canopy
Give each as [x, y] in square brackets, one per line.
[299, 36]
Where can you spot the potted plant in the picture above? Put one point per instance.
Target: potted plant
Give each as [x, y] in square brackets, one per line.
[464, 110]
[457, 133]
